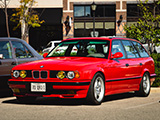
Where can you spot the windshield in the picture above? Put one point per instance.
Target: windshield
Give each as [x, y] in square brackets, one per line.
[81, 48]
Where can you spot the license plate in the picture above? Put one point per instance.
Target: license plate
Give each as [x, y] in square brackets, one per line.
[38, 87]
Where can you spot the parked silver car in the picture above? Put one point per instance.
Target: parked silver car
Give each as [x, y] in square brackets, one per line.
[14, 51]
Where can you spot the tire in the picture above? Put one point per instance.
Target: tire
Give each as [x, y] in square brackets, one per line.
[26, 99]
[96, 90]
[145, 86]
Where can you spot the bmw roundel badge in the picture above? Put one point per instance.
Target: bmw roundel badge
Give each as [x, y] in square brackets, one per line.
[41, 66]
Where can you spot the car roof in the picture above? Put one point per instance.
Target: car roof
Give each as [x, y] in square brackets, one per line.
[109, 38]
[10, 38]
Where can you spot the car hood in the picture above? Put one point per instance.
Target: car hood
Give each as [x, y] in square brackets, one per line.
[61, 63]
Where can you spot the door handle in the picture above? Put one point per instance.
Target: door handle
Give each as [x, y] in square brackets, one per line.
[13, 63]
[127, 65]
[140, 64]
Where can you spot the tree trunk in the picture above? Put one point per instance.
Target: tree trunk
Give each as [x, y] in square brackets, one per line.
[23, 29]
[6, 14]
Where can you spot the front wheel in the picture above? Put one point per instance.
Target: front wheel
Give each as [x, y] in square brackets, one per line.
[145, 86]
[96, 90]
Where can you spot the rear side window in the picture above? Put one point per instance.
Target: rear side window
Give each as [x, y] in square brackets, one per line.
[130, 50]
[140, 49]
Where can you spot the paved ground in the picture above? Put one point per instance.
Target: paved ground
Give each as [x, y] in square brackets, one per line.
[155, 89]
[116, 107]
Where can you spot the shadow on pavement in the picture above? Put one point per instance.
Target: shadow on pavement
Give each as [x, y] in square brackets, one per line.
[70, 102]
[6, 93]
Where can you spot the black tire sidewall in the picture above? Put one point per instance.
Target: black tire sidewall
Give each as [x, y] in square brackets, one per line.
[90, 95]
[141, 91]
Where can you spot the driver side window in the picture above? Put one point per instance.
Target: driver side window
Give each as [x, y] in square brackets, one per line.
[117, 47]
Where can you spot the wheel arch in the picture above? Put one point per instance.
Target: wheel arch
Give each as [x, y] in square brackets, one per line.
[101, 74]
[145, 71]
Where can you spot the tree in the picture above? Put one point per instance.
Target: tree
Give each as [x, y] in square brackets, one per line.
[26, 17]
[4, 5]
[147, 27]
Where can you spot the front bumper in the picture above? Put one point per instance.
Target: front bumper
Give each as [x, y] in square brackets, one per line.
[67, 89]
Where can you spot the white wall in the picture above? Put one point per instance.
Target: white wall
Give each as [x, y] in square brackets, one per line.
[40, 3]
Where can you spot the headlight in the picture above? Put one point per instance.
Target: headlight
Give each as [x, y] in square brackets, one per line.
[61, 74]
[16, 74]
[70, 74]
[23, 74]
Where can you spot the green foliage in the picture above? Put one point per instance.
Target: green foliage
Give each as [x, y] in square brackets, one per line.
[146, 28]
[156, 58]
[26, 13]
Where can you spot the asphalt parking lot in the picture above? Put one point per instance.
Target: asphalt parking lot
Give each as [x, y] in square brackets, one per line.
[116, 107]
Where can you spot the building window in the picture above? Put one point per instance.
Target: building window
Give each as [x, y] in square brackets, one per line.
[101, 11]
[132, 10]
[110, 11]
[79, 25]
[105, 11]
[82, 11]
[105, 16]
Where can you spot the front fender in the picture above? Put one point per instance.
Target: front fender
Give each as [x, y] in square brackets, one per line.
[89, 74]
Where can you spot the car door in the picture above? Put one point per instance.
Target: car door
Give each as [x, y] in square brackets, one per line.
[134, 65]
[7, 60]
[117, 69]
[22, 53]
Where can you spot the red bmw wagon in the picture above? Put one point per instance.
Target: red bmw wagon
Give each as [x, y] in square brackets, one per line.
[89, 68]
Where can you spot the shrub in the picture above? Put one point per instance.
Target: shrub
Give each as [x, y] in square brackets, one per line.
[156, 58]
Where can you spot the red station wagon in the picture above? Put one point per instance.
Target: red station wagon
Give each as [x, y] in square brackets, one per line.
[88, 68]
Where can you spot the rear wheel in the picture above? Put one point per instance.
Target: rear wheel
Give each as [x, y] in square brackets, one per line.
[26, 99]
[145, 86]
[96, 90]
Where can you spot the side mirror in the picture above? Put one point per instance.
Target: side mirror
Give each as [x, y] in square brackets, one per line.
[116, 55]
[1, 56]
[45, 55]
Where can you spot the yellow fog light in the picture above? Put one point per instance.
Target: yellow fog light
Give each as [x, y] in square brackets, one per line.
[16, 90]
[23, 74]
[61, 75]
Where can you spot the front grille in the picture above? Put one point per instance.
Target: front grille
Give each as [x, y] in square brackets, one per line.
[40, 74]
[53, 74]
[29, 73]
[43, 74]
[36, 74]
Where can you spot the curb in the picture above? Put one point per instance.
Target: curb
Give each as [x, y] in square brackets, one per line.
[155, 89]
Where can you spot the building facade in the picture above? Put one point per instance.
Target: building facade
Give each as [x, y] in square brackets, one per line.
[74, 18]
[106, 14]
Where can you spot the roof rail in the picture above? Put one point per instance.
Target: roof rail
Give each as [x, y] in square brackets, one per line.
[113, 36]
